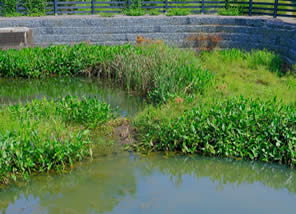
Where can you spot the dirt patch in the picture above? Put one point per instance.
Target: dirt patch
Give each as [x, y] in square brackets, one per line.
[125, 132]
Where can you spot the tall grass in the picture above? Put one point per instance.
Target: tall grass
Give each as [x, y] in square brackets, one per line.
[156, 71]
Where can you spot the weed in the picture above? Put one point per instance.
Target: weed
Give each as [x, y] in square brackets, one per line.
[135, 12]
[231, 11]
[177, 12]
[107, 14]
[154, 12]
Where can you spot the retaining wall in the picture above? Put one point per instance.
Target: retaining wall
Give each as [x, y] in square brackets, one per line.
[236, 32]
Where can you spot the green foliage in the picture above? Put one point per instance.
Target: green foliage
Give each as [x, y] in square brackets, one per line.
[177, 12]
[255, 74]
[158, 72]
[255, 58]
[89, 111]
[47, 134]
[35, 7]
[8, 7]
[237, 127]
[13, 14]
[55, 60]
[135, 12]
[153, 70]
[107, 14]
[231, 11]
[154, 12]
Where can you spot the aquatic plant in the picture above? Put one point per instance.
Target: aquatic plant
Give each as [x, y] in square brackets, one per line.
[48, 134]
[220, 122]
[236, 127]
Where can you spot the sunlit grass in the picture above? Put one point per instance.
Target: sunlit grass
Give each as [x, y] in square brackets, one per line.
[257, 74]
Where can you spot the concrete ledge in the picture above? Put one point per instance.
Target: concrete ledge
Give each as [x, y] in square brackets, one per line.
[235, 32]
[15, 37]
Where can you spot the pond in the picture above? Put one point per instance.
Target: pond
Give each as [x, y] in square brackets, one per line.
[127, 183]
[124, 182]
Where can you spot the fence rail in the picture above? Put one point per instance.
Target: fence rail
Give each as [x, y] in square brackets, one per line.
[275, 8]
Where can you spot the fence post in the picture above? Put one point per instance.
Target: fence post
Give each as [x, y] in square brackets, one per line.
[250, 7]
[203, 6]
[226, 4]
[128, 4]
[93, 7]
[275, 8]
[55, 7]
[166, 6]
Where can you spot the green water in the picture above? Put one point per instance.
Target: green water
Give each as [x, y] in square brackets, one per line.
[128, 183]
[13, 91]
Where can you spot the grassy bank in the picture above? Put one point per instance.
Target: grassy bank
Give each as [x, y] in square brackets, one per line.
[48, 135]
[248, 112]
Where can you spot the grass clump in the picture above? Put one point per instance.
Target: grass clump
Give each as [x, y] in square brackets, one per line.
[158, 72]
[231, 11]
[154, 12]
[177, 12]
[48, 135]
[107, 14]
[135, 12]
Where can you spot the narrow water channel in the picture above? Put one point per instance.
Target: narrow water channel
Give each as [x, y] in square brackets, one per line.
[129, 183]
[13, 91]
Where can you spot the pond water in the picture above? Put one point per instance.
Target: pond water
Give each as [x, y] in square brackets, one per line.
[129, 183]
[13, 91]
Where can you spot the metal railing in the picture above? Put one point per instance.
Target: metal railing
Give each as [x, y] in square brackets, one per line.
[275, 8]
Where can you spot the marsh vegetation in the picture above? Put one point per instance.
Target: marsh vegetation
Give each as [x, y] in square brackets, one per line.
[221, 103]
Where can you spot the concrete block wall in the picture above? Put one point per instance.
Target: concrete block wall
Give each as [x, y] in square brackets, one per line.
[236, 32]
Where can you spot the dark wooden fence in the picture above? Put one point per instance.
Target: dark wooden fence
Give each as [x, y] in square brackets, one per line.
[275, 8]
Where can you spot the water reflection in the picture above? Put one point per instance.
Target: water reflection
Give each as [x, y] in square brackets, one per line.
[13, 91]
[127, 183]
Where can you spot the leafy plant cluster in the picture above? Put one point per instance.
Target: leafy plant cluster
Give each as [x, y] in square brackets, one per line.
[236, 127]
[231, 11]
[178, 12]
[32, 7]
[89, 111]
[47, 134]
[55, 60]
